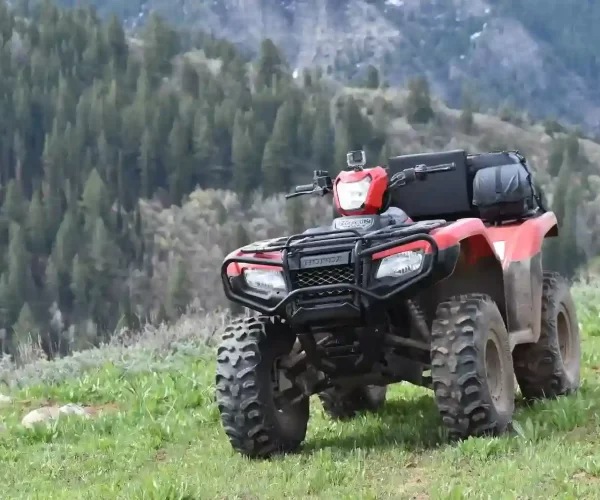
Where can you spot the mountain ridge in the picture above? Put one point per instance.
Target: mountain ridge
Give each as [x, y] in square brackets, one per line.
[501, 49]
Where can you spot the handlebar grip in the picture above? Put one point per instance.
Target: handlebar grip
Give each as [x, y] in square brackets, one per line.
[304, 187]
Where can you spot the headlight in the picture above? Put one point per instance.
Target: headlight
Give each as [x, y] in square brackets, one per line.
[352, 195]
[261, 279]
[400, 264]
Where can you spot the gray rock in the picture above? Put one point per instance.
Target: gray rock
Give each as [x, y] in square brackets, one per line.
[49, 413]
[40, 416]
[73, 409]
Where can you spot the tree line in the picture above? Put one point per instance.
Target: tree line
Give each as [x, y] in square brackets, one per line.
[91, 122]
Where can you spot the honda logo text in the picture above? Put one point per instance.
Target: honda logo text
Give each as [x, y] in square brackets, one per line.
[331, 259]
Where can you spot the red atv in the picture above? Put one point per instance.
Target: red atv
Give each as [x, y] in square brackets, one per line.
[457, 289]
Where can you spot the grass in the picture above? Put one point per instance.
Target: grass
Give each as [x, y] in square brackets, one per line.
[160, 438]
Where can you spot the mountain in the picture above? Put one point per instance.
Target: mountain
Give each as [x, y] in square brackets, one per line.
[516, 53]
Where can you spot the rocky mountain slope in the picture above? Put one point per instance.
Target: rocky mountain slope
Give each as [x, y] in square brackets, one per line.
[518, 52]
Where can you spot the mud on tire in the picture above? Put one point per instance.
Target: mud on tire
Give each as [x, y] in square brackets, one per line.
[551, 367]
[256, 427]
[342, 405]
[471, 367]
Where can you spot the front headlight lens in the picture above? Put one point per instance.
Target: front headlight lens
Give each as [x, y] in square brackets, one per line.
[352, 195]
[262, 279]
[400, 264]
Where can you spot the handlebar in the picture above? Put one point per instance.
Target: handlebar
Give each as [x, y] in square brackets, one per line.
[321, 184]
[304, 187]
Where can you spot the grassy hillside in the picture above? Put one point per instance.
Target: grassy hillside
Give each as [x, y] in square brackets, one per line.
[156, 434]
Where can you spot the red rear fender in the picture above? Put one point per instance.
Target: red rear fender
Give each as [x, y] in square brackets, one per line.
[522, 241]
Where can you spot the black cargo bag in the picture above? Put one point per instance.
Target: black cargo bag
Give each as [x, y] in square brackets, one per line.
[505, 192]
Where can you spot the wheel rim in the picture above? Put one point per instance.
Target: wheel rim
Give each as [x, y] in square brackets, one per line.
[494, 372]
[563, 329]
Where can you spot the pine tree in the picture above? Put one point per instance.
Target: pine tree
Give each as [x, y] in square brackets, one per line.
[25, 330]
[295, 210]
[147, 165]
[306, 127]
[79, 288]
[467, 119]
[203, 136]
[104, 275]
[20, 280]
[322, 139]
[51, 283]
[36, 224]
[7, 303]
[119, 49]
[372, 77]
[569, 252]
[66, 243]
[418, 103]
[244, 172]
[276, 165]
[178, 289]
[358, 129]
[14, 206]
[270, 65]
[342, 146]
[556, 157]
[161, 43]
[178, 150]
[95, 198]
[189, 79]
[552, 254]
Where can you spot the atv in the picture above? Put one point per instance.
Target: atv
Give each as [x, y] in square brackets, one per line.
[433, 265]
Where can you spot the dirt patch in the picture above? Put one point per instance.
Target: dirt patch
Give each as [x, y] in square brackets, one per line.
[93, 411]
[586, 478]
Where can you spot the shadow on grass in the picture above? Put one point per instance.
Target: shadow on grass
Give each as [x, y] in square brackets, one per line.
[413, 424]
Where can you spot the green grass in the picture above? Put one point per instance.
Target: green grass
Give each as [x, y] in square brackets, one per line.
[167, 443]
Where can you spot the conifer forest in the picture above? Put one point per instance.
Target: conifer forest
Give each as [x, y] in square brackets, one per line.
[92, 122]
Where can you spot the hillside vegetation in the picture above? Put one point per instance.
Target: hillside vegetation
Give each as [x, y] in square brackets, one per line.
[131, 166]
[155, 434]
[537, 55]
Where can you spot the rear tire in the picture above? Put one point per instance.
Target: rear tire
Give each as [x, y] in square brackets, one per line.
[245, 392]
[343, 405]
[551, 367]
[471, 367]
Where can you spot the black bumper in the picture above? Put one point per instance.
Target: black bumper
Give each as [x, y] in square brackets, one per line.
[339, 301]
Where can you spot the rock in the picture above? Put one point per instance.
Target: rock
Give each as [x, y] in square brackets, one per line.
[47, 413]
[5, 400]
[41, 415]
[73, 409]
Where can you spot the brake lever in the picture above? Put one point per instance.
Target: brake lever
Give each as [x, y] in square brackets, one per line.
[322, 191]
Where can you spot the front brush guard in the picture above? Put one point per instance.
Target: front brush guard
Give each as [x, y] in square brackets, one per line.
[335, 241]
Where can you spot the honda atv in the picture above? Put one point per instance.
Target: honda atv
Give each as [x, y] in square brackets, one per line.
[434, 264]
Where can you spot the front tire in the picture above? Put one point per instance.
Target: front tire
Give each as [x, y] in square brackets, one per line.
[471, 367]
[344, 404]
[245, 393]
[551, 367]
